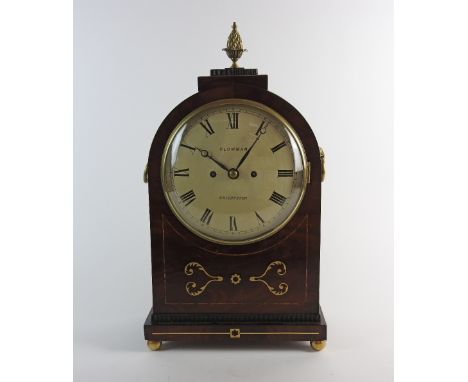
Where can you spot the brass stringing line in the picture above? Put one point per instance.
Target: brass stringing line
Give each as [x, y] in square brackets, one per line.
[182, 333]
[228, 333]
[280, 333]
[306, 256]
[249, 253]
[163, 221]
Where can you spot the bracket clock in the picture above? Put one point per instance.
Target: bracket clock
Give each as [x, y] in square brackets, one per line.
[234, 178]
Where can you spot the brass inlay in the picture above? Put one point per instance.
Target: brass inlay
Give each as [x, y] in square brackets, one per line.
[322, 162]
[235, 279]
[164, 221]
[192, 287]
[234, 333]
[282, 288]
[234, 48]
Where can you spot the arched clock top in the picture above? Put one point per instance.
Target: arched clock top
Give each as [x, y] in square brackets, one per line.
[309, 202]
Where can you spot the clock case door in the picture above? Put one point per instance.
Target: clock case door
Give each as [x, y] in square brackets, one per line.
[275, 280]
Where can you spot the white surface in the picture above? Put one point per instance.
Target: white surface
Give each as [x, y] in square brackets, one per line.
[333, 61]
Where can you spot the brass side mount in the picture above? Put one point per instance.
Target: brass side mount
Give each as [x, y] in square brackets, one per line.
[145, 174]
[322, 163]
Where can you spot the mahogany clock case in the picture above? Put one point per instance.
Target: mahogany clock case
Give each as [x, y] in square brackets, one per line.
[242, 287]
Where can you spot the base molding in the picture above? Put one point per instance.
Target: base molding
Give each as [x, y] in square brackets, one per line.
[238, 331]
[229, 318]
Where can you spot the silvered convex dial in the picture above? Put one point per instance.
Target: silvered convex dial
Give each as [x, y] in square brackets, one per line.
[233, 172]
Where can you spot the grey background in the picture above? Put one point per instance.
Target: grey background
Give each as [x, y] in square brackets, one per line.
[332, 59]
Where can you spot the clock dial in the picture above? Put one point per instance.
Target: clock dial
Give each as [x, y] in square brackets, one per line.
[233, 172]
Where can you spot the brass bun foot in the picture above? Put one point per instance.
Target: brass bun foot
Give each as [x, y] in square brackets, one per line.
[154, 345]
[318, 345]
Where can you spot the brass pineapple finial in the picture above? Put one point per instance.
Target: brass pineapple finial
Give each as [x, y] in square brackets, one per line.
[234, 48]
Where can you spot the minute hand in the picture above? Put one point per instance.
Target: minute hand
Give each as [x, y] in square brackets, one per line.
[247, 153]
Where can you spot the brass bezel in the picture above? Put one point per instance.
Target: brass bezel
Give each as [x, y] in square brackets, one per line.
[289, 128]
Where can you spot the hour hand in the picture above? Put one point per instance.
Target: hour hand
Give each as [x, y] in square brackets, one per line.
[205, 154]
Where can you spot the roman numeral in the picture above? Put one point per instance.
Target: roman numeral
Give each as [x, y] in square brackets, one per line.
[206, 217]
[259, 217]
[183, 172]
[206, 125]
[285, 173]
[233, 120]
[232, 223]
[278, 146]
[188, 197]
[277, 198]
